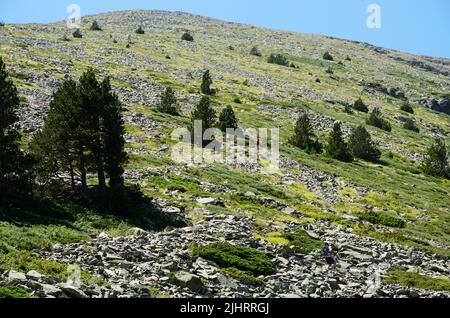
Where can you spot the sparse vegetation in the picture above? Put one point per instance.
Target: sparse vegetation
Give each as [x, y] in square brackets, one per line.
[376, 119]
[242, 258]
[417, 280]
[278, 59]
[95, 26]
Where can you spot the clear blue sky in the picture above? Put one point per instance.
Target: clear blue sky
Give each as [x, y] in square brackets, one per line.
[415, 26]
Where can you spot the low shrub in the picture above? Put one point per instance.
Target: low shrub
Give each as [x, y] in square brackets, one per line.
[382, 218]
[242, 258]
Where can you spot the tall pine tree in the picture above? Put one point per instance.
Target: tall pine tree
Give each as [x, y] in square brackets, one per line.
[361, 145]
[15, 166]
[206, 83]
[169, 103]
[227, 119]
[337, 148]
[204, 113]
[304, 137]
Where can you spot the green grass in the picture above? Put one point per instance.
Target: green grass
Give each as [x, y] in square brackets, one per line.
[242, 258]
[382, 218]
[303, 242]
[416, 280]
[243, 277]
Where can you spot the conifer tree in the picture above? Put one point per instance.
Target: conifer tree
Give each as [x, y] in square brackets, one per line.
[15, 166]
[205, 113]
[227, 119]
[206, 83]
[361, 145]
[376, 119]
[337, 148]
[95, 26]
[169, 103]
[304, 137]
[436, 160]
[360, 106]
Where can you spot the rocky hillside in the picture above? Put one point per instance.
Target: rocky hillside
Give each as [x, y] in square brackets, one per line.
[390, 222]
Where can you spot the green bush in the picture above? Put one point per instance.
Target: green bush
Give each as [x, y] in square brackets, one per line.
[278, 59]
[140, 30]
[242, 258]
[187, 37]
[416, 280]
[244, 277]
[303, 242]
[327, 56]
[406, 107]
[14, 292]
[77, 34]
[382, 218]
[95, 26]
[376, 119]
[360, 106]
[411, 125]
[255, 51]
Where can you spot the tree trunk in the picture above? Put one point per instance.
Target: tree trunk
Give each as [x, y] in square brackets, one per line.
[83, 170]
[72, 176]
[101, 184]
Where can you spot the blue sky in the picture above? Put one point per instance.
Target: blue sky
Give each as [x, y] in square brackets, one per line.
[415, 26]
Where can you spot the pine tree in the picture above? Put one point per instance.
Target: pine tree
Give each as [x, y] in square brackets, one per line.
[77, 34]
[113, 131]
[187, 37]
[436, 160]
[327, 56]
[205, 113]
[58, 146]
[227, 119]
[376, 119]
[206, 83]
[360, 106]
[304, 137]
[140, 30]
[95, 26]
[169, 103]
[406, 107]
[409, 124]
[15, 166]
[337, 148]
[255, 51]
[361, 145]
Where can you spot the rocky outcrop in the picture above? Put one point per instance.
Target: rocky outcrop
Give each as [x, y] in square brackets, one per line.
[442, 105]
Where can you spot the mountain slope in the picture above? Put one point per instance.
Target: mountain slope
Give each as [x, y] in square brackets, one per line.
[327, 197]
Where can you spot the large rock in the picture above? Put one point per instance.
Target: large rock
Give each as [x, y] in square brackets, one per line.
[72, 291]
[188, 280]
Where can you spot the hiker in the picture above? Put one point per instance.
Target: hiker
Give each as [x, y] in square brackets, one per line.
[326, 251]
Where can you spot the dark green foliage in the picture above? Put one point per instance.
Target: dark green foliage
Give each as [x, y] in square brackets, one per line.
[169, 102]
[140, 30]
[15, 166]
[361, 145]
[242, 258]
[205, 113]
[95, 26]
[382, 218]
[337, 148]
[206, 84]
[242, 276]
[304, 137]
[237, 100]
[77, 34]
[406, 107]
[348, 109]
[2, 24]
[360, 106]
[227, 119]
[411, 125]
[376, 119]
[348, 58]
[278, 59]
[13, 292]
[84, 132]
[436, 160]
[329, 70]
[303, 242]
[327, 56]
[255, 51]
[187, 37]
